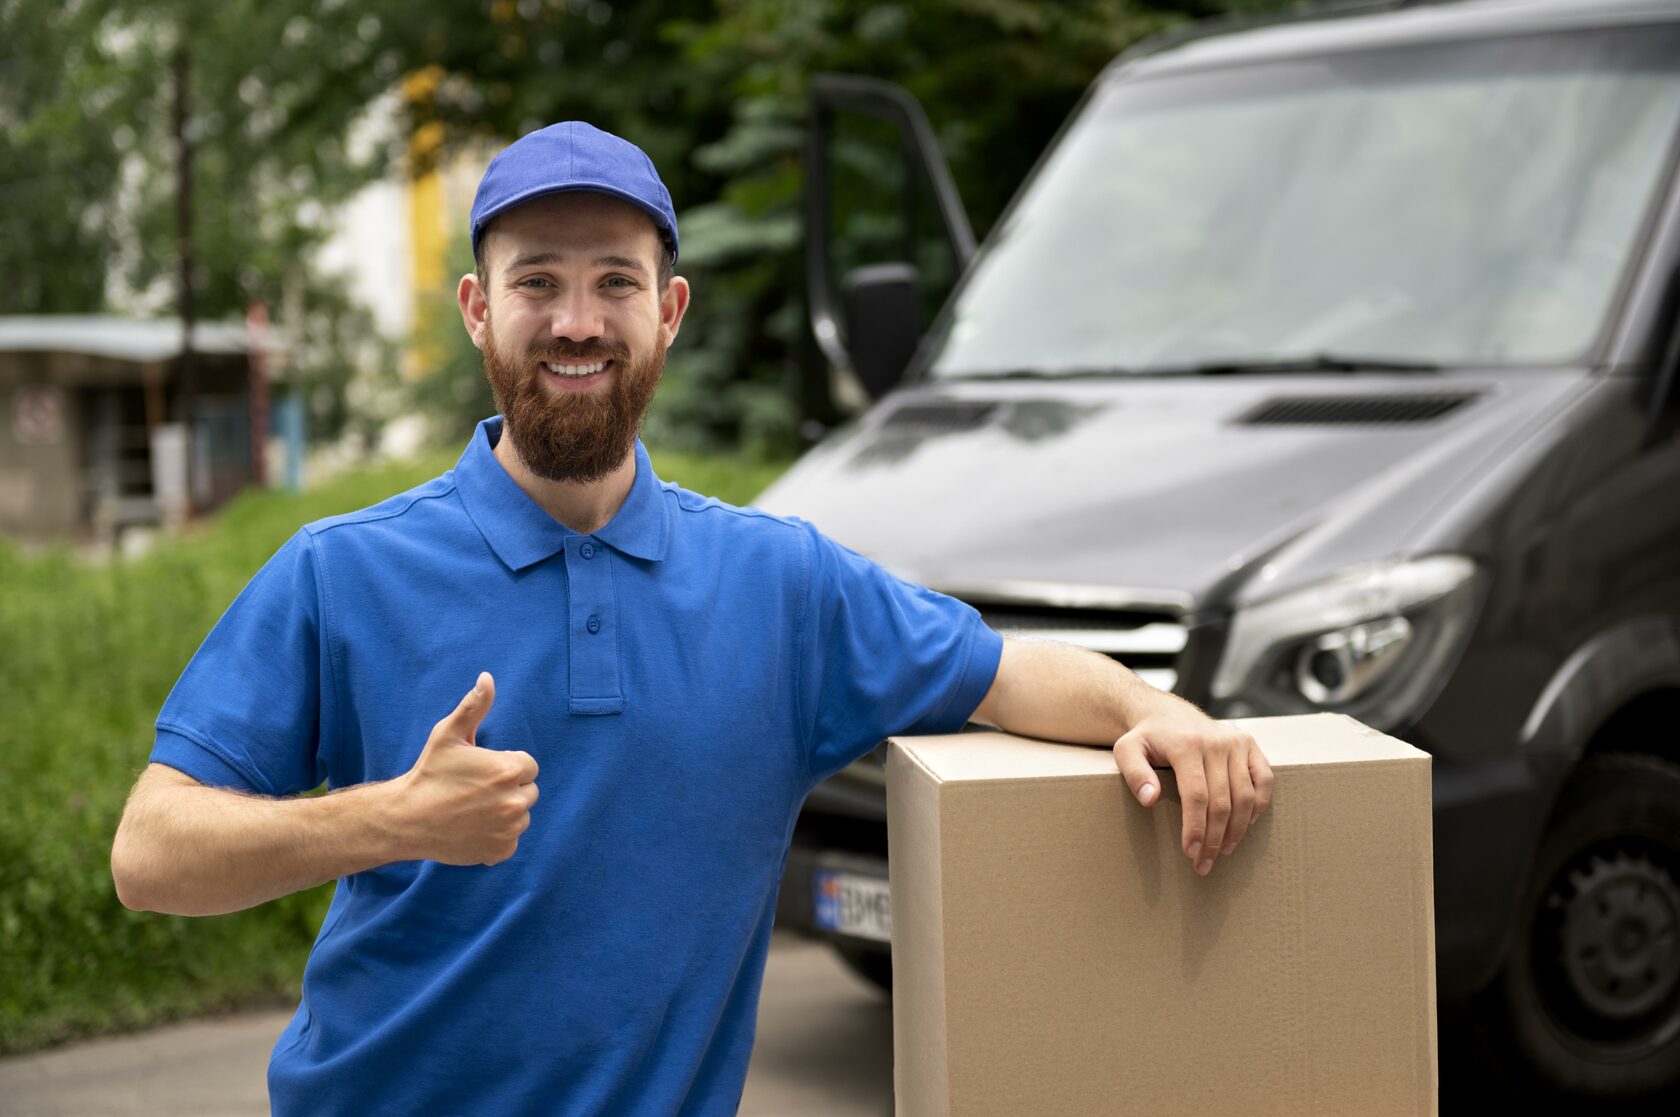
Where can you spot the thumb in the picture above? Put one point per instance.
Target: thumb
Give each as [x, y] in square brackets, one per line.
[464, 720]
[1135, 769]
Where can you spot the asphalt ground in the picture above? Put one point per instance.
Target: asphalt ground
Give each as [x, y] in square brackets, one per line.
[824, 1049]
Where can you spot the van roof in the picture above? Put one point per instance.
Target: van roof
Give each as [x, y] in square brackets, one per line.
[1362, 26]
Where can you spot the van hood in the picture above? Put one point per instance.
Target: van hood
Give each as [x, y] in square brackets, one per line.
[1188, 493]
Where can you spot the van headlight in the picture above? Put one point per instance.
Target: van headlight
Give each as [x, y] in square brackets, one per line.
[1375, 642]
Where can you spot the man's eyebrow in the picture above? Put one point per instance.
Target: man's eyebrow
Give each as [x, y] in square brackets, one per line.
[625, 263]
[535, 259]
[532, 259]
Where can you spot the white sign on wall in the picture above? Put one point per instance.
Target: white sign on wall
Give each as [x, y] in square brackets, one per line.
[38, 415]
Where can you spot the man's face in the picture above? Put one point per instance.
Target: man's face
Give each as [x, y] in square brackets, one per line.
[573, 328]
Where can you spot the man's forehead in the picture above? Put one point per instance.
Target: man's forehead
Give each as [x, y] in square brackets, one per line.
[579, 221]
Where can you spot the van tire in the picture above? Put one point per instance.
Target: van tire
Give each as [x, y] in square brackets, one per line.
[1589, 1000]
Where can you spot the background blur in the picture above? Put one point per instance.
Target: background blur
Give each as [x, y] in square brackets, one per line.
[292, 179]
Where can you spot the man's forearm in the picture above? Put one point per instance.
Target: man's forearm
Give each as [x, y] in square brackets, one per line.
[186, 849]
[1060, 692]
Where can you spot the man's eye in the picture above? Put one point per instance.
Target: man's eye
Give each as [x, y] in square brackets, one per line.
[533, 281]
[620, 280]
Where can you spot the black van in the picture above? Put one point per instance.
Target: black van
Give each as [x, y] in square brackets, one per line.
[1328, 364]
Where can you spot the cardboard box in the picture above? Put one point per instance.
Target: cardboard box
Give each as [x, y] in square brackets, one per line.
[1053, 952]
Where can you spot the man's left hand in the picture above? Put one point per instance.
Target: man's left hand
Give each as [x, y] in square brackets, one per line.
[1223, 778]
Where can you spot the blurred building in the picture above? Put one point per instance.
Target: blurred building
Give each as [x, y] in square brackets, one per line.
[88, 447]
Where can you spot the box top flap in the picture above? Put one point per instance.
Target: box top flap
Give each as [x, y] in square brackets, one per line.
[1288, 742]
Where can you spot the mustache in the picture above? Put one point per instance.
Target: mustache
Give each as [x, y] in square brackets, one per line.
[561, 349]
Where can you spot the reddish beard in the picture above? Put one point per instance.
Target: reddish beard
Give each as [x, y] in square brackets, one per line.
[572, 436]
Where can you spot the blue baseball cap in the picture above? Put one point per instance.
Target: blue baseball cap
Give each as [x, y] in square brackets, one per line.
[571, 156]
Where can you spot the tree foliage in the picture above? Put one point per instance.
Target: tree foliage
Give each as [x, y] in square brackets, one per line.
[713, 90]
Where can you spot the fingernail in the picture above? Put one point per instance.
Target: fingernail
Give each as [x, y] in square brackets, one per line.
[1204, 867]
[1147, 793]
[1195, 850]
[1229, 848]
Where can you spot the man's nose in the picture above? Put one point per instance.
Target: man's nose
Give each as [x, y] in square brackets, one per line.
[576, 315]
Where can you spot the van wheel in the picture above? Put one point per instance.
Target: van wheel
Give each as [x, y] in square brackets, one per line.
[1590, 996]
[874, 966]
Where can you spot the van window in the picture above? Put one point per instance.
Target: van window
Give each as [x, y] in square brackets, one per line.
[1473, 203]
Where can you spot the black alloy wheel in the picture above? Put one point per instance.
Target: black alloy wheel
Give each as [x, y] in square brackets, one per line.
[1590, 997]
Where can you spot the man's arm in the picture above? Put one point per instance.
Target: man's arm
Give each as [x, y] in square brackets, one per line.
[1063, 693]
[187, 849]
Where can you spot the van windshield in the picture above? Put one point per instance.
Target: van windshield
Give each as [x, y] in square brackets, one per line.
[1464, 204]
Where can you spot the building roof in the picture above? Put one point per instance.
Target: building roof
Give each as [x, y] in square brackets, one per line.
[108, 335]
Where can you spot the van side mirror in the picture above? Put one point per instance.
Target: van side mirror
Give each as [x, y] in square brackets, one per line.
[882, 325]
[876, 307]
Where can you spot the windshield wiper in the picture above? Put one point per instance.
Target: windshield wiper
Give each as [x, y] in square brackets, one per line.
[1043, 374]
[1312, 362]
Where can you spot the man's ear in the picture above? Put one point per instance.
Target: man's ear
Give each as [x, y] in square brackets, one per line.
[673, 304]
[475, 310]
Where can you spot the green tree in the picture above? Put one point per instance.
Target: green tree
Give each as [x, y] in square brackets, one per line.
[89, 171]
[59, 158]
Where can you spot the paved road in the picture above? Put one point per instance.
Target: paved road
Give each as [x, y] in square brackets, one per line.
[824, 1050]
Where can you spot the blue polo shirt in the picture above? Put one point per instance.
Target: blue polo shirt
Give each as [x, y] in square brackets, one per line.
[684, 676]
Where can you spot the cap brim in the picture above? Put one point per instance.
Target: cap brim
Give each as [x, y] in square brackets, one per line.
[669, 236]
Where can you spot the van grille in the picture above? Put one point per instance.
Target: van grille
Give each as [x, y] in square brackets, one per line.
[1149, 641]
[1353, 410]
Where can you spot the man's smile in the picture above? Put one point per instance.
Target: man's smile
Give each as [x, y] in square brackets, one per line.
[574, 376]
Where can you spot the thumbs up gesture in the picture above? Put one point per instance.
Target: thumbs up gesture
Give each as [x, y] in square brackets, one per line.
[469, 804]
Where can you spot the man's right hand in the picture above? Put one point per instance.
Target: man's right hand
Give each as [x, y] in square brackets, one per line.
[468, 804]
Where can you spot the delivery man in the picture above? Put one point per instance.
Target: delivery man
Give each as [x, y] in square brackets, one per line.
[674, 673]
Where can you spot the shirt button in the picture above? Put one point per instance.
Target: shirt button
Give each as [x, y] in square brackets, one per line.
[588, 550]
[593, 625]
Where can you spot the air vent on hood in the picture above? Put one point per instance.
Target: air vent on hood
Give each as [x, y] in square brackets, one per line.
[945, 415]
[1416, 408]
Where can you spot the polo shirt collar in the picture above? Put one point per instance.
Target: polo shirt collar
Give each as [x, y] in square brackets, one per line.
[521, 533]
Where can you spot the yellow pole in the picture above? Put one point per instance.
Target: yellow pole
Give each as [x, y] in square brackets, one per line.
[427, 225]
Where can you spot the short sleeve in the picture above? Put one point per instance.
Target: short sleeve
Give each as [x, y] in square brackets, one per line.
[880, 656]
[247, 711]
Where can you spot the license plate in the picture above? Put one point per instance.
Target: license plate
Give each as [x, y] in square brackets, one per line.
[853, 904]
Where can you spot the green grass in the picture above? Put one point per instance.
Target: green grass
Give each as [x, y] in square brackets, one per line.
[88, 652]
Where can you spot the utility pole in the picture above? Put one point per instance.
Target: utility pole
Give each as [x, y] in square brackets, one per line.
[187, 400]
